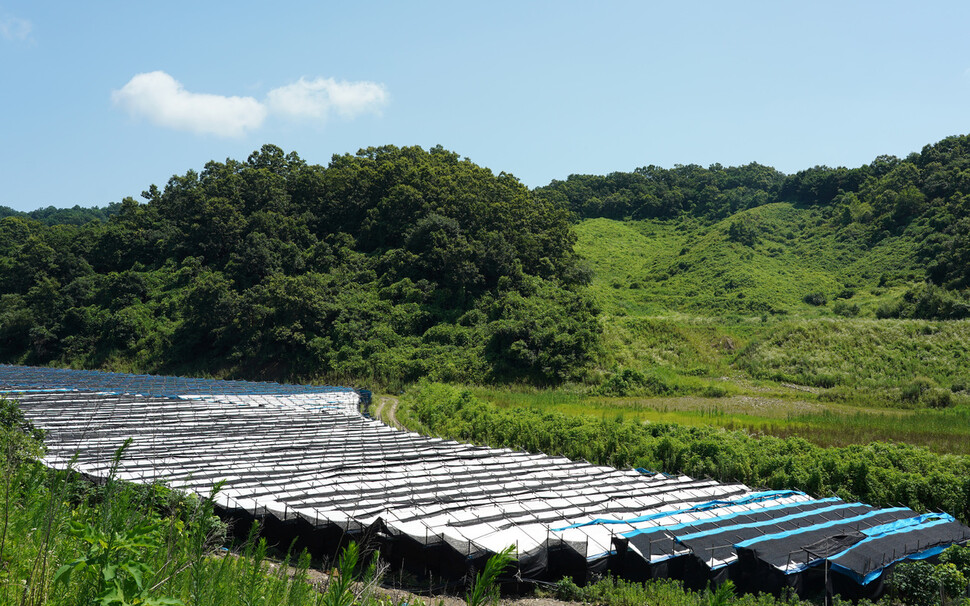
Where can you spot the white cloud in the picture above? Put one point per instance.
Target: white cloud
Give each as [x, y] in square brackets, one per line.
[317, 98]
[15, 28]
[164, 101]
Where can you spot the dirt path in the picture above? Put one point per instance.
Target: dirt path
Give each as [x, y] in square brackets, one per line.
[386, 411]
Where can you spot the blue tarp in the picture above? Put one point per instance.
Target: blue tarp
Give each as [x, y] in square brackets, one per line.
[727, 516]
[751, 498]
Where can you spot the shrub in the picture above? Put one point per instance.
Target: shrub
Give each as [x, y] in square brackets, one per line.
[959, 556]
[842, 308]
[889, 309]
[938, 398]
[714, 391]
[914, 584]
[824, 380]
[913, 391]
[568, 591]
[950, 579]
[627, 382]
[928, 302]
[815, 298]
[743, 231]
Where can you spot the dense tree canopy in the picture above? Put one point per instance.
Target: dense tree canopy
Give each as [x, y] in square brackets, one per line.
[390, 264]
[652, 192]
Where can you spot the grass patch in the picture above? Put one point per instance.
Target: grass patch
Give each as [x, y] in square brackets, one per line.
[659, 267]
[879, 357]
[765, 412]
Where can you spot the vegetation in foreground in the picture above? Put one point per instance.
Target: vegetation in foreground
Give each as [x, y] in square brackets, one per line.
[66, 542]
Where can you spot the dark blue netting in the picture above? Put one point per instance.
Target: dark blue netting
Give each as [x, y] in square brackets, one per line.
[28, 379]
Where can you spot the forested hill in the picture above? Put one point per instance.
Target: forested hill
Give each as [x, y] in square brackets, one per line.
[384, 266]
[72, 216]
[925, 196]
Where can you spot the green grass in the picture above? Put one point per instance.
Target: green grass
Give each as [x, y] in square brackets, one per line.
[878, 357]
[696, 312]
[943, 431]
[663, 267]
[768, 410]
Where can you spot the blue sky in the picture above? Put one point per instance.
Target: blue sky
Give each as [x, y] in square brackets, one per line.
[98, 100]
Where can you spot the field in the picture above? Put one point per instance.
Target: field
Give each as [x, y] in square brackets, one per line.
[821, 422]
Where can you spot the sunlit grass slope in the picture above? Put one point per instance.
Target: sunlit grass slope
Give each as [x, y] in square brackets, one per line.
[764, 260]
[862, 354]
[720, 300]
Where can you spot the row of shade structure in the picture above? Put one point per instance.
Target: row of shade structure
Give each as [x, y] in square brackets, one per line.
[310, 465]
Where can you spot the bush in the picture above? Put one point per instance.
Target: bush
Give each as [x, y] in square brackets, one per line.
[920, 583]
[714, 391]
[847, 310]
[824, 380]
[628, 382]
[815, 298]
[928, 302]
[913, 391]
[950, 579]
[568, 591]
[938, 398]
[743, 231]
[959, 556]
[915, 584]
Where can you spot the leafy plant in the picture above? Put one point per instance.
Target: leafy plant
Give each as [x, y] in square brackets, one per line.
[815, 298]
[723, 595]
[568, 591]
[485, 589]
[920, 583]
[115, 560]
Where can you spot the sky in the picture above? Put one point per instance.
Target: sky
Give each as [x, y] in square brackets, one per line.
[99, 100]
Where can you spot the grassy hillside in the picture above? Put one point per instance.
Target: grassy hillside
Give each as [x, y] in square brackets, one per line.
[763, 260]
[794, 302]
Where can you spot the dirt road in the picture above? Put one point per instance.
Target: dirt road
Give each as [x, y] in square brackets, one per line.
[386, 411]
